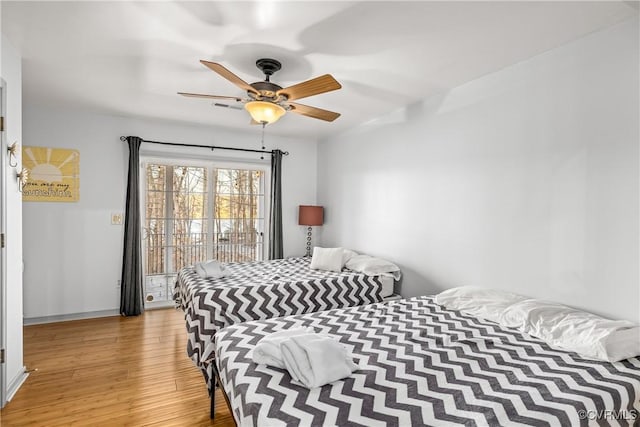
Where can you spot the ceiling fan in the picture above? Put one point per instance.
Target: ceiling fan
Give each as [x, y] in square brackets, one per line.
[266, 102]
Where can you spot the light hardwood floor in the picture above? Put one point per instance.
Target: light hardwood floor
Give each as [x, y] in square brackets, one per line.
[112, 371]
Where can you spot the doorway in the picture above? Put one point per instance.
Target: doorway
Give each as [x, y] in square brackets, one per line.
[195, 212]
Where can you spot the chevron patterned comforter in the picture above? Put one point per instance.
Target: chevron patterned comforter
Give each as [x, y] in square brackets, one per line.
[422, 364]
[262, 290]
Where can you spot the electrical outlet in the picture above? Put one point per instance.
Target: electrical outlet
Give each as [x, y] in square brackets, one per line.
[116, 219]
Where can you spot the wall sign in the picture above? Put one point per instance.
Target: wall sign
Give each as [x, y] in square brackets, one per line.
[54, 174]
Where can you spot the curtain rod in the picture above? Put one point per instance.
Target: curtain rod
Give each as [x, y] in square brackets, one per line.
[212, 147]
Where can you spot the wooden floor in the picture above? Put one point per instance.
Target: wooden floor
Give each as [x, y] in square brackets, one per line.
[128, 371]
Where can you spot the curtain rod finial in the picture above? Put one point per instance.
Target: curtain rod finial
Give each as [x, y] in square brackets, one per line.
[123, 138]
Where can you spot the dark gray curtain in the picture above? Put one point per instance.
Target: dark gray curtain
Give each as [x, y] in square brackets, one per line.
[131, 300]
[275, 217]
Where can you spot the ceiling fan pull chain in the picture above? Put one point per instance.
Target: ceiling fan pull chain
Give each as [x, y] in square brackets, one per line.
[262, 154]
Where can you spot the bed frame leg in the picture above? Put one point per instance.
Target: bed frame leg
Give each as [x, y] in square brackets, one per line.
[215, 383]
[212, 399]
[212, 412]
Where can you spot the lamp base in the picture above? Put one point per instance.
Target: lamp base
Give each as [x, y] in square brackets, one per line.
[308, 242]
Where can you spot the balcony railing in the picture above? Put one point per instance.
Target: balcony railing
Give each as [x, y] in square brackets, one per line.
[237, 247]
[189, 248]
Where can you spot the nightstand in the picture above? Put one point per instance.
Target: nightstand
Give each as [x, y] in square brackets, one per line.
[392, 297]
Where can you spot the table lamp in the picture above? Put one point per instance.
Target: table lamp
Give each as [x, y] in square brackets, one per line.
[310, 216]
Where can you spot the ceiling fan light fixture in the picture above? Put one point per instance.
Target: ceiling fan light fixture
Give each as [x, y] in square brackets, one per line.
[264, 112]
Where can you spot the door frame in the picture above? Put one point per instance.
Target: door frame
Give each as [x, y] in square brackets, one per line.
[3, 255]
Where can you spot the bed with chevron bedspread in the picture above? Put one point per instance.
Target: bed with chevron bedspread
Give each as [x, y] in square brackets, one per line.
[262, 290]
[421, 364]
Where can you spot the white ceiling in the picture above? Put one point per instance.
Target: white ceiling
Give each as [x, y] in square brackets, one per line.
[130, 58]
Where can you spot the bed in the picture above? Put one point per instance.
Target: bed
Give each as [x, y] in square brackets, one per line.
[423, 364]
[262, 290]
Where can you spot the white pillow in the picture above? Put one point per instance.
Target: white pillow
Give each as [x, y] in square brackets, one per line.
[582, 332]
[329, 259]
[347, 255]
[372, 266]
[488, 304]
[559, 326]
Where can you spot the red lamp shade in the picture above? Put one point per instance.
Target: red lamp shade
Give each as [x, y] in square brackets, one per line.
[310, 215]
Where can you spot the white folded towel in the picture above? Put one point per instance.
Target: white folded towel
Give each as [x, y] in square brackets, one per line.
[267, 351]
[210, 269]
[315, 360]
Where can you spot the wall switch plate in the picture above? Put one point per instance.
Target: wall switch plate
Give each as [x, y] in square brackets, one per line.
[116, 219]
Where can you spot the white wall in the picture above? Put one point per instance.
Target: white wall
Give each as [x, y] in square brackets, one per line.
[72, 252]
[11, 72]
[524, 180]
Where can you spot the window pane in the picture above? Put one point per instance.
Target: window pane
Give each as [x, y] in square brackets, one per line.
[189, 216]
[155, 213]
[237, 236]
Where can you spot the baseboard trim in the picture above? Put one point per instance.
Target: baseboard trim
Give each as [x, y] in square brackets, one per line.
[16, 383]
[73, 316]
[160, 305]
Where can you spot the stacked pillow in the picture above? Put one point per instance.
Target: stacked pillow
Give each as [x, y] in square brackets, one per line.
[335, 259]
[372, 266]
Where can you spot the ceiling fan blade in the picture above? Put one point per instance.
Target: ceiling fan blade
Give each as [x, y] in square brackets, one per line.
[199, 95]
[316, 113]
[233, 107]
[311, 87]
[214, 66]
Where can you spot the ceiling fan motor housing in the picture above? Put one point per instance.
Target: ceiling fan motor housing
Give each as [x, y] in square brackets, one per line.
[267, 91]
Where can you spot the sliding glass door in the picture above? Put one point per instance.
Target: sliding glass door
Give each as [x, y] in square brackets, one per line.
[194, 213]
